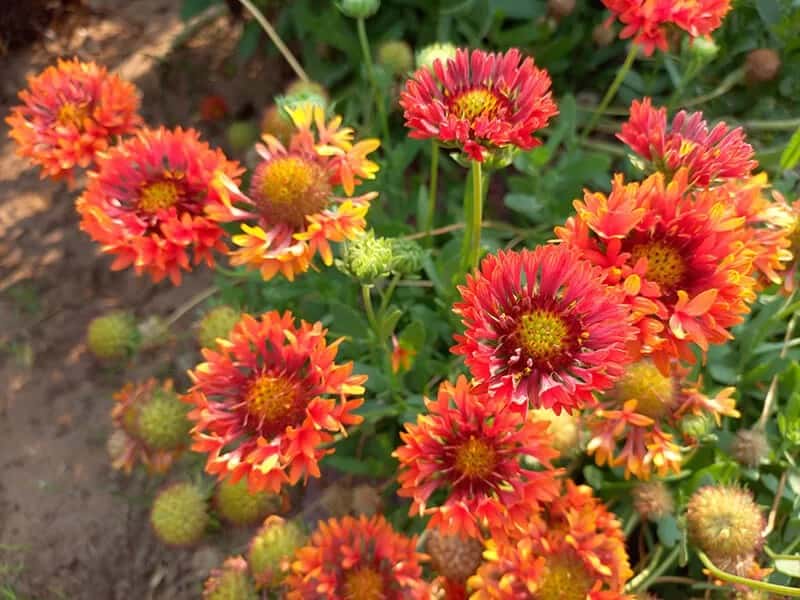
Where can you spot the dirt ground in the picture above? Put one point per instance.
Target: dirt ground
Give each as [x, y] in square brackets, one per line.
[70, 527]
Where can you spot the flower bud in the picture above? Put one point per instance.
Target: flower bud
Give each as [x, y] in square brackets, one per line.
[750, 447]
[652, 500]
[563, 429]
[366, 258]
[696, 426]
[407, 256]
[603, 34]
[429, 54]
[704, 49]
[396, 56]
[237, 505]
[453, 556]
[179, 515]
[359, 9]
[762, 65]
[114, 336]
[558, 9]
[272, 549]
[231, 582]
[217, 323]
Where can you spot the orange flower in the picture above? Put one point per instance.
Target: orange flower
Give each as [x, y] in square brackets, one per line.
[681, 257]
[469, 447]
[648, 21]
[145, 204]
[292, 211]
[357, 559]
[267, 402]
[645, 409]
[69, 113]
[402, 357]
[542, 328]
[575, 552]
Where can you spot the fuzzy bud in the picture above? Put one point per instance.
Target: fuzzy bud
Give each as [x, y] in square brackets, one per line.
[750, 447]
[277, 123]
[452, 556]
[241, 135]
[114, 336]
[359, 9]
[430, 54]
[396, 56]
[696, 426]
[366, 258]
[161, 421]
[762, 65]
[558, 9]
[217, 323]
[237, 505]
[298, 87]
[272, 549]
[725, 522]
[180, 514]
[231, 582]
[652, 500]
[603, 34]
[563, 429]
[366, 500]
[407, 256]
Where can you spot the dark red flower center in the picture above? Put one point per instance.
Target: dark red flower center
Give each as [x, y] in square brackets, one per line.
[289, 188]
[665, 264]
[475, 459]
[364, 583]
[478, 102]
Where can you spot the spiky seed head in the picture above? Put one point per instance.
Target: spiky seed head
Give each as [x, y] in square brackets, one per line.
[241, 135]
[725, 522]
[396, 56]
[762, 65]
[750, 447]
[161, 421]
[272, 549]
[452, 556]
[114, 336]
[231, 582]
[430, 54]
[653, 500]
[180, 514]
[237, 505]
[216, 323]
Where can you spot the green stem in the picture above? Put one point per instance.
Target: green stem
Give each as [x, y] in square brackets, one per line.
[646, 578]
[612, 90]
[630, 524]
[753, 584]
[373, 321]
[776, 125]
[387, 296]
[473, 216]
[432, 190]
[276, 39]
[724, 86]
[376, 91]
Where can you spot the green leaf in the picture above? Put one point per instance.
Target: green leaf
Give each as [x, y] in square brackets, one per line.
[791, 154]
[668, 531]
[192, 8]
[788, 566]
[525, 204]
[347, 321]
[348, 464]
[248, 42]
[769, 11]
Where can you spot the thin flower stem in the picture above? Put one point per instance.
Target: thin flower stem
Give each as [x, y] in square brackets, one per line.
[387, 296]
[645, 579]
[432, 190]
[753, 584]
[775, 503]
[276, 39]
[724, 86]
[776, 125]
[631, 524]
[190, 304]
[772, 392]
[473, 215]
[612, 90]
[376, 91]
[373, 321]
[645, 573]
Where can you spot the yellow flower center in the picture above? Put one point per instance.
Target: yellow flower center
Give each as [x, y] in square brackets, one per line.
[289, 188]
[543, 334]
[644, 383]
[72, 114]
[156, 196]
[363, 584]
[270, 399]
[475, 458]
[665, 265]
[564, 579]
[472, 104]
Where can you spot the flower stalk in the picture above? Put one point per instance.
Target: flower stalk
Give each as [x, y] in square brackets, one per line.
[612, 89]
[473, 217]
[376, 91]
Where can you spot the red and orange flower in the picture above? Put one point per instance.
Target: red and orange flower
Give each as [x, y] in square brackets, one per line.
[146, 202]
[350, 559]
[470, 447]
[648, 21]
[682, 258]
[293, 210]
[267, 402]
[479, 102]
[575, 552]
[709, 156]
[541, 327]
[69, 113]
[645, 409]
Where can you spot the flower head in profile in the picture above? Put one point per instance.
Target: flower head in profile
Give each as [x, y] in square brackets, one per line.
[680, 256]
[643, 414]
[294, 208]
[145, 203]
[649, 21]
[269, 399]
[468, 447]
[708, 155]
[541, 327]
[479, 102]
[69, 113]
[576, 551]
[362, 558]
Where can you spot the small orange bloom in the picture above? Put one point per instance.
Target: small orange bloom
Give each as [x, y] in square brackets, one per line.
[402, 357]
[145, 204]
[69, 113]
[355, 559]
[267, 402]
[468, 446]
[576, 551]
[292, 211]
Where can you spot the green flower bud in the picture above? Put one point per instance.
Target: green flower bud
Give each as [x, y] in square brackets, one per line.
[396, 56]
[179, 515]
[703, 48]
[114, 336]
[231, 582]
[429, 54]
[407, 256]
[366, 258]
[359, 9]
[695, 426]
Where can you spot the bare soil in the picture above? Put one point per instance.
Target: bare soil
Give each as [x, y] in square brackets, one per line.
[70, 527]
